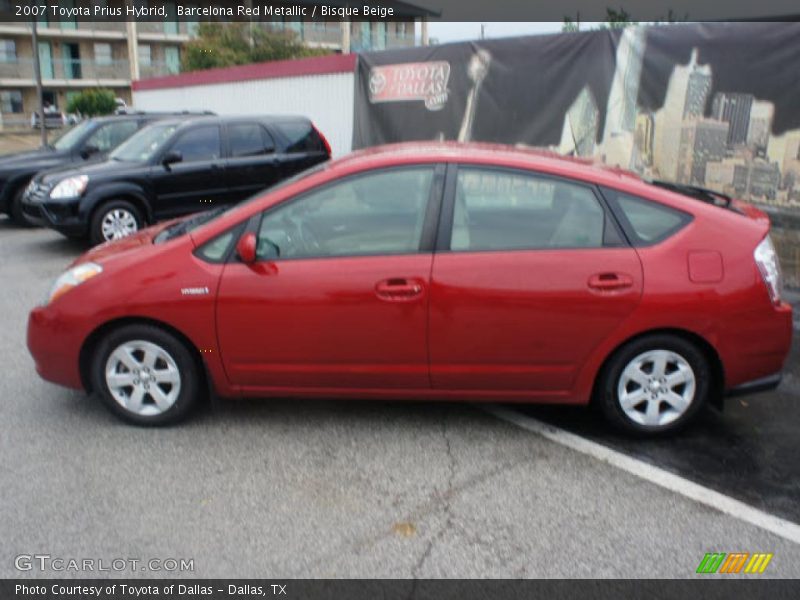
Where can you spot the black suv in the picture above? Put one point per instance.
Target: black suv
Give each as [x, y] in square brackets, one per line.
[172, 168]
[88, 140]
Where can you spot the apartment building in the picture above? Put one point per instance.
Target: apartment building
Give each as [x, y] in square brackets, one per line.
[76, 55]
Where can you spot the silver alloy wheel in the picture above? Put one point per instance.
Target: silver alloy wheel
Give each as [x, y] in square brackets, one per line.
[656, 388]
[118, 223]
[143, 378]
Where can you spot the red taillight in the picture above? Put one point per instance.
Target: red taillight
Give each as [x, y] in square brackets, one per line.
[324, 140]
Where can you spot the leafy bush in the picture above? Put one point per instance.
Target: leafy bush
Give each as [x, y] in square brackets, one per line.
[224, 45]
[93, 102]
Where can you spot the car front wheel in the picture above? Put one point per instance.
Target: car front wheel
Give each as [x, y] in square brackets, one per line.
[145, 375]
[654, 385]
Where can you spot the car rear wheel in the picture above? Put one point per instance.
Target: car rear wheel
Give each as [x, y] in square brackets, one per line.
[145, 375]
[115, 220]
[15, 211]
[654, 385]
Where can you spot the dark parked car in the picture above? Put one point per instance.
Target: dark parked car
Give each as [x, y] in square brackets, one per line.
[173, 168]
[90, 139]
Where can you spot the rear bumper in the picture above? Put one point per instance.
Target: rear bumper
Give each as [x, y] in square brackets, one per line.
[762, 384]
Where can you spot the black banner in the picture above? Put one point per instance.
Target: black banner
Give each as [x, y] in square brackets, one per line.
[717, 589]
[377, 10]
[713, 105]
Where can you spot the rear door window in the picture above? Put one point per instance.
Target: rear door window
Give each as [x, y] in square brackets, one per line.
[249, 139]
[502, 210]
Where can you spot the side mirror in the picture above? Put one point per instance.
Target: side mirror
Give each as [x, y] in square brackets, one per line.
[246, 248]
[171, 157]
[89, 150]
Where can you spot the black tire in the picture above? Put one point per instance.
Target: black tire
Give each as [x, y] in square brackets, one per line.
[15, 209]
[190, 381]
[96, 226]
[607, 391]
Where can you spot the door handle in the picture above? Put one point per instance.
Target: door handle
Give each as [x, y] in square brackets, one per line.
[610, 282]
[398, 289]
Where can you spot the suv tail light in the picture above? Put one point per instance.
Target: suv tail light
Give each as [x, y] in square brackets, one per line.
[324, 140]
[767, 260]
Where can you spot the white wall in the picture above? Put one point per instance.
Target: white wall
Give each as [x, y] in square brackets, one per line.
[325, 99]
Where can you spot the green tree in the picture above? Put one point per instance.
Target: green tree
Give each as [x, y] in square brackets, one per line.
[93, 102]
[227, 44]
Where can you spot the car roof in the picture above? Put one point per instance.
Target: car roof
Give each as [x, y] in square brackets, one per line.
[525, 157]
[192, 119]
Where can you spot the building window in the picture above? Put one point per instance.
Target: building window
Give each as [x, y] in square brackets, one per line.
[102, 54]
[172, 56]
[145, 58]
[11, 101]
[8, 51]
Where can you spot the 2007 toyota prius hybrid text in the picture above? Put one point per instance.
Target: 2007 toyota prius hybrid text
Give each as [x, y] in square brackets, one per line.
[432, 271]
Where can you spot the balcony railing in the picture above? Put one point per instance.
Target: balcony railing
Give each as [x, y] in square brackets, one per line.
[157, 69]
[377, 42]
[67, 68]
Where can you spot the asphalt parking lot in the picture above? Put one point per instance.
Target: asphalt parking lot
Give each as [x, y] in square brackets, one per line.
[354, 489]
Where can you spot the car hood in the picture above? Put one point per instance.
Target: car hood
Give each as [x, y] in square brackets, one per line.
[96, 168]
[29, 160]
[111, 250]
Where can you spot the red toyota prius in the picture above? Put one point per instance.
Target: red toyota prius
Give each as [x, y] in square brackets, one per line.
[432, 271]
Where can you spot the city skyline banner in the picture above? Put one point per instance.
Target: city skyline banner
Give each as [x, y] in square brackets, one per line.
[714, 105]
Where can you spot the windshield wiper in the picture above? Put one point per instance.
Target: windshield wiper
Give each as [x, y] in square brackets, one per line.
[179, 229]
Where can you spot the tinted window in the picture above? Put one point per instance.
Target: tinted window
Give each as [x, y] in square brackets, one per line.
[496, 210]
[249, 139]
[648, 222]
[379, 213]
[200, 143]
[301, 136]
[112, 135]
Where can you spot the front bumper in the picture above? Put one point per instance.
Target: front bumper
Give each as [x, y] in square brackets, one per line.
[54, 344]
[62, 215]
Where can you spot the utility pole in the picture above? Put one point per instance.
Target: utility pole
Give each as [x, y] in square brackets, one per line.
[37, 71]
[483, 31]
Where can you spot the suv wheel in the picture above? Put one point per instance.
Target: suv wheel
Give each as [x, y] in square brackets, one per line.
[654, 385]
[145, 375]
[115, 220]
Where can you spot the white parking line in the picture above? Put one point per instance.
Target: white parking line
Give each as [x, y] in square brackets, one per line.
[675, 483]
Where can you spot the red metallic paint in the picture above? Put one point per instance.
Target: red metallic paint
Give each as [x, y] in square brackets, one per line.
[503, 326]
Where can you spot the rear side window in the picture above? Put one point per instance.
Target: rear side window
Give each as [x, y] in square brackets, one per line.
[249, 139]
[302, 137]
[646, 222]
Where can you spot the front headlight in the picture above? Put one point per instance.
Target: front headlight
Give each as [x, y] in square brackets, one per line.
[73, 278]
[70, 188]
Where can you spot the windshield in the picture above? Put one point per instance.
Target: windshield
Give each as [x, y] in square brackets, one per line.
[190, 224]
[141, 146]
[70, 137]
